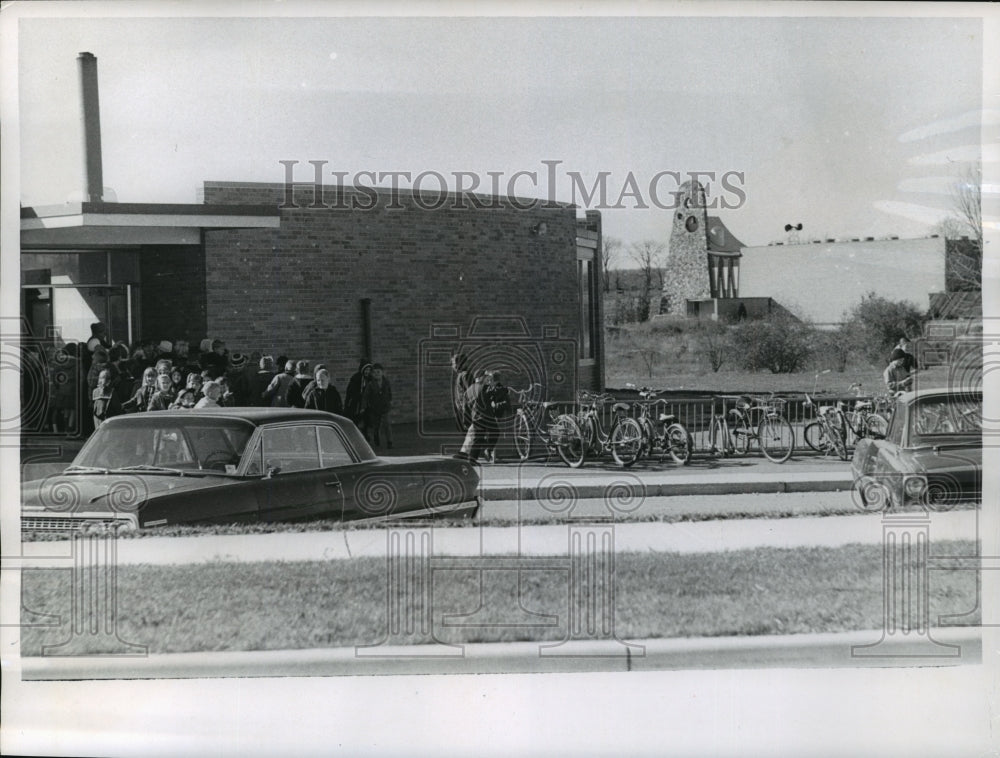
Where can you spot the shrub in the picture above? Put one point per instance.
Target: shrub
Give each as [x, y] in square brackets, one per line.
[875, 324]
[644, 302]
[626, 310]
[779, 343]
[646, 345]
[835, 348]
[715, 343]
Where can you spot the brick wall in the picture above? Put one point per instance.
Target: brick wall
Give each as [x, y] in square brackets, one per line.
[298, 290]
[172, 293]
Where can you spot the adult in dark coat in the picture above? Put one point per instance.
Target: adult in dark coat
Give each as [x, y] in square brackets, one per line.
[478, 401]
[498, 400]
[293, 397]
[355, 391]
[323, 396]
[461, 378]
[376, 403]
[215, 362]
[902, 352]
[261, 379]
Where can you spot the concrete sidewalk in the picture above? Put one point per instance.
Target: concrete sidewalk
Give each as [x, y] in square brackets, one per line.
[731, 476]
[950, 646]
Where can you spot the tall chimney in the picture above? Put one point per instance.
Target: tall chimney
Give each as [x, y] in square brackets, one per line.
[93, 190]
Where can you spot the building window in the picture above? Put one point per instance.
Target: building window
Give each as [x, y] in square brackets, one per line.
[62, 294]
[588, 308]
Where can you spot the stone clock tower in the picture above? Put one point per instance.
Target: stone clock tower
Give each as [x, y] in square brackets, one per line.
[687, 275]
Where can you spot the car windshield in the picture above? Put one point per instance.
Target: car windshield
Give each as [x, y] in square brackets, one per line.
[955, 415]
[167, 444]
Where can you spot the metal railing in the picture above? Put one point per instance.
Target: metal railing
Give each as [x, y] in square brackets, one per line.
[696, 413]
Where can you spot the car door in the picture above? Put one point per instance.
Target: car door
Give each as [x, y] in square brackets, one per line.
[295, 483]
[371, 488]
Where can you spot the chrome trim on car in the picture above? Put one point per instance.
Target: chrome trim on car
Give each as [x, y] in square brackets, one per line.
[81, 520]
[430, 511]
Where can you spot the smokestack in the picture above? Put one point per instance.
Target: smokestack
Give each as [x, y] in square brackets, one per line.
[93, 174]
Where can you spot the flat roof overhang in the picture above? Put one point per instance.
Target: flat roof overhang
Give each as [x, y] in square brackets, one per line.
[131, 224]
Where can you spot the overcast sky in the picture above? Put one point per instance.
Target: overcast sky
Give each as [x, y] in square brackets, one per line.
[852, 127]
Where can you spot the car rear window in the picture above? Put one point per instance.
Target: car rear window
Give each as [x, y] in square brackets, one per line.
[946, 415]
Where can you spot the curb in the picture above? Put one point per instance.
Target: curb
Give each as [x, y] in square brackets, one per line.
[666, 489]
[874, 648]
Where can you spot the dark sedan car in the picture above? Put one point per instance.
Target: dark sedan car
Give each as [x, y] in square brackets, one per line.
[241, 465]
[931, 455]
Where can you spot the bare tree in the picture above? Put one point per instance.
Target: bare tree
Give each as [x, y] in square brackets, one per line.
[965, 266]
[648, 348]
[610, 247]
[648, 254]
[967, 199]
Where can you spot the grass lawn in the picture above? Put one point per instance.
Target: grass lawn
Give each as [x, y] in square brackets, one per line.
[262, 606]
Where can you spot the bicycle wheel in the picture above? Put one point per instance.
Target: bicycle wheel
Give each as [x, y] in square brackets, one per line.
[720, 442]
[522, 436]
[815, 436]
[776, 438]
[823, 438]
[838, 436]
[588, 427]
[648, 437]
[876, 425]
[626, 442]
[678, 443]
[741, 436]
[568, 439]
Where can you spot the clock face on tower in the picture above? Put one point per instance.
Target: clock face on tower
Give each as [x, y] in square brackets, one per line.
[691, 224]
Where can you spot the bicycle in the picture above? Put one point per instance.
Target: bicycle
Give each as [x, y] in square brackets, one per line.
[866, 420]
[670, 437]
[828, 433]
[623, 440]
[754, 420]
[558, 431]
[861, 422]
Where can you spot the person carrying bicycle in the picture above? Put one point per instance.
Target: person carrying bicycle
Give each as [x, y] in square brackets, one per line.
[498, 400]
[479, 404]
[897, 377]
[902, 351]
